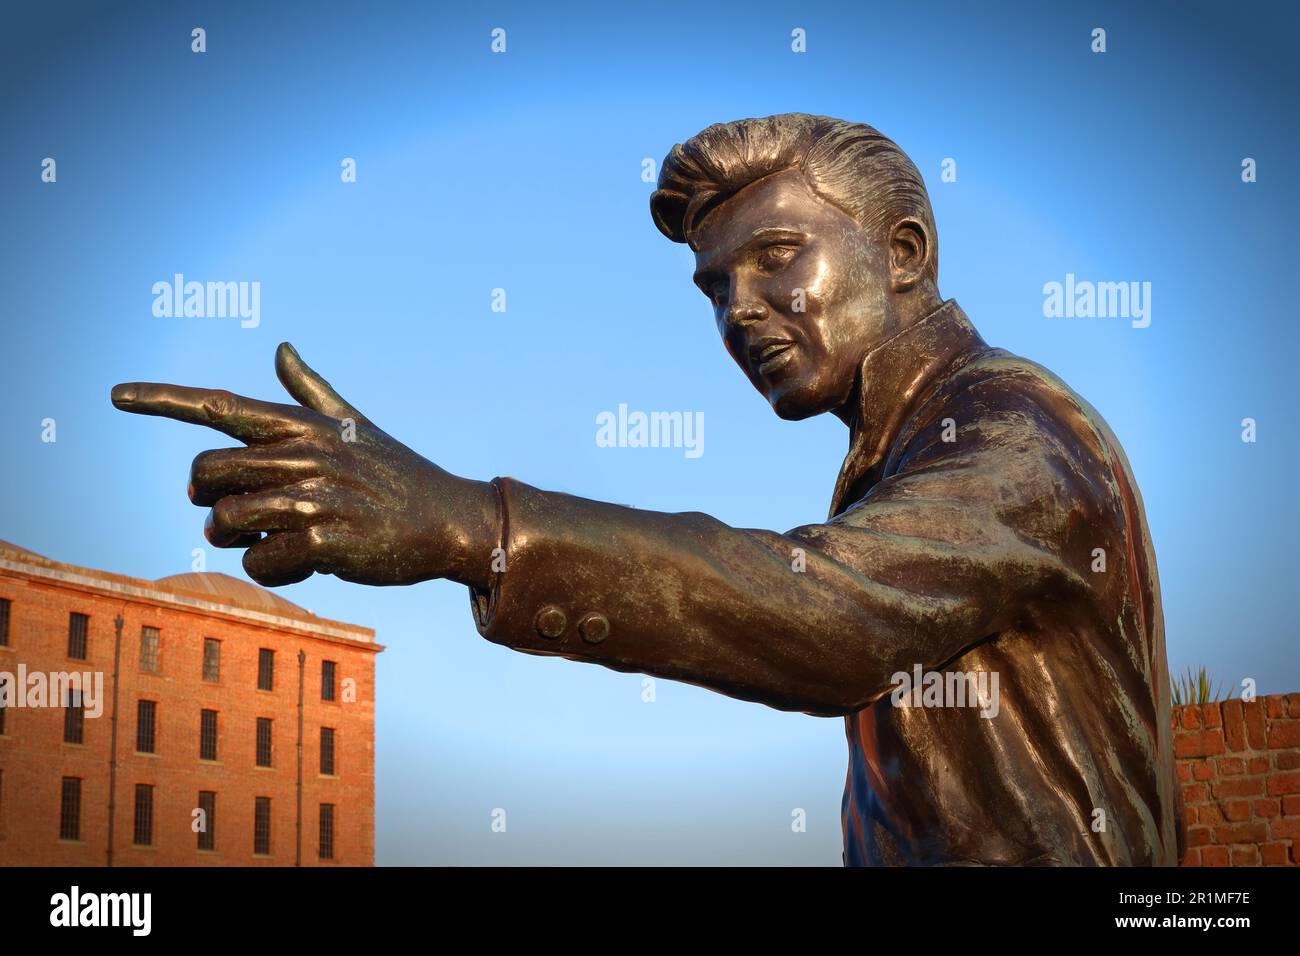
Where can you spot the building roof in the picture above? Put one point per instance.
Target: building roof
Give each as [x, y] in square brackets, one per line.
[214, 584]
[202, 590]
[10, 546]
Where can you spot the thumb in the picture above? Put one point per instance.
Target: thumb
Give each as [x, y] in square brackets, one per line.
[309, 389]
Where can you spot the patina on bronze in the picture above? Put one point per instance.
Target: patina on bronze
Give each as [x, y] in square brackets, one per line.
[985, 521]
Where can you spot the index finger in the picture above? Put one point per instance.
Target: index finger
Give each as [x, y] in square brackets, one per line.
[246, 419]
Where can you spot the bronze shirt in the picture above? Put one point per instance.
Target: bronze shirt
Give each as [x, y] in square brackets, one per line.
[985, 521]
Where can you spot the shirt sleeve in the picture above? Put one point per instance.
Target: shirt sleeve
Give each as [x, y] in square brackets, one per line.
[977, 521]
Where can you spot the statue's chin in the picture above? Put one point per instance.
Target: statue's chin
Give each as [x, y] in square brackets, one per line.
[790, 407]
[795, 399]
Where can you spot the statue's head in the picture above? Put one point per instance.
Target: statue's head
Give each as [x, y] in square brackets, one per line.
[813, 239]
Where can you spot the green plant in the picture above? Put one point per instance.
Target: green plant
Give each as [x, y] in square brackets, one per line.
[1197, 688]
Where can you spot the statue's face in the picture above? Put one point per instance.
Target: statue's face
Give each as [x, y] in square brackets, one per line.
[799, 291]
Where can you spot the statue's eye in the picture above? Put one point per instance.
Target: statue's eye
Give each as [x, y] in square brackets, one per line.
[775, 257]
[718, 292]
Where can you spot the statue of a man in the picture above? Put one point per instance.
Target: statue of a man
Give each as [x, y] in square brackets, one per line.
[984, 524]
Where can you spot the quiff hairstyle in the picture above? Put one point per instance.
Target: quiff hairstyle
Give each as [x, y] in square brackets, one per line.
[850, 165]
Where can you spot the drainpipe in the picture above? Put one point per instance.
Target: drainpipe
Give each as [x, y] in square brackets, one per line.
[302, 664]
[112, 747]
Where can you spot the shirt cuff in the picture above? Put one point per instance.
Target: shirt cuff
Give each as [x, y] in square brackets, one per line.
[483, 602]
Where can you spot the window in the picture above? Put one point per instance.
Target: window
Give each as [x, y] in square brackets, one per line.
[211, 659]
[74, 719]
[143, 815]
[208, 834]
[78, 625]
[326, 680]
[4, 622]
[146, 714]
[327, 831]
[264, 741]
[265, 669]
[208, 735]
[327, 750]
[2, 718]
[70, 809]
[149, 644]
[262, 826]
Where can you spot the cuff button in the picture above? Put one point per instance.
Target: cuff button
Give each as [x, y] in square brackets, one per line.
[550, 622]
[594, 628]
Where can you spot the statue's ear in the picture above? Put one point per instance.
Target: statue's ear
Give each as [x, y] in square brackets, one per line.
[668, 210]
[910, 253]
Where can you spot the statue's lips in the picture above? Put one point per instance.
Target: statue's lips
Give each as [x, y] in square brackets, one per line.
[767, 357]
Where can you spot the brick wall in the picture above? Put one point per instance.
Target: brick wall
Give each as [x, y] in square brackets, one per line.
[1239, 765]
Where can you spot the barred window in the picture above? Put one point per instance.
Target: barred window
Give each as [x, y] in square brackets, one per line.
[326, 680]
[211, 659]
[262, 826]
[208, 735]
[327, 750]
[74, 719]
[265, 669]
[70, 809]
[146, 718]
[4, 622]
[264, 741]
[327, 831]
[149, 648]
[143, 835]
[78, 627]
[208, 833]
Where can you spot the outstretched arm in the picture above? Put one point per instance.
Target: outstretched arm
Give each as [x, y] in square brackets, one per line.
[956, 546]
[953, 549]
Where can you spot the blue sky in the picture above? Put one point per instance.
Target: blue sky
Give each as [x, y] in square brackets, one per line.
[522, 171]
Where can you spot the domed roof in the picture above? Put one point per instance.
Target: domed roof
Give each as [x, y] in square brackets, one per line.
[214, 584]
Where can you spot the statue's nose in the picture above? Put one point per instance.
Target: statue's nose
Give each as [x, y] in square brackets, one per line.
[746, 312]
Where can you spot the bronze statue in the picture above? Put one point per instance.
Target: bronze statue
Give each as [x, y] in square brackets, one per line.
[985, 523]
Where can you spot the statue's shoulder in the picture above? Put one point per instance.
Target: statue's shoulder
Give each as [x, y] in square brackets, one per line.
[999, 384]
[995, 378]
[994, 371]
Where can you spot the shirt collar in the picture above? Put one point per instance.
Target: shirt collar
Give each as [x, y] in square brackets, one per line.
[893, 378]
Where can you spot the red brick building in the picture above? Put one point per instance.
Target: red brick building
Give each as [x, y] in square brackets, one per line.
[233, 727]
